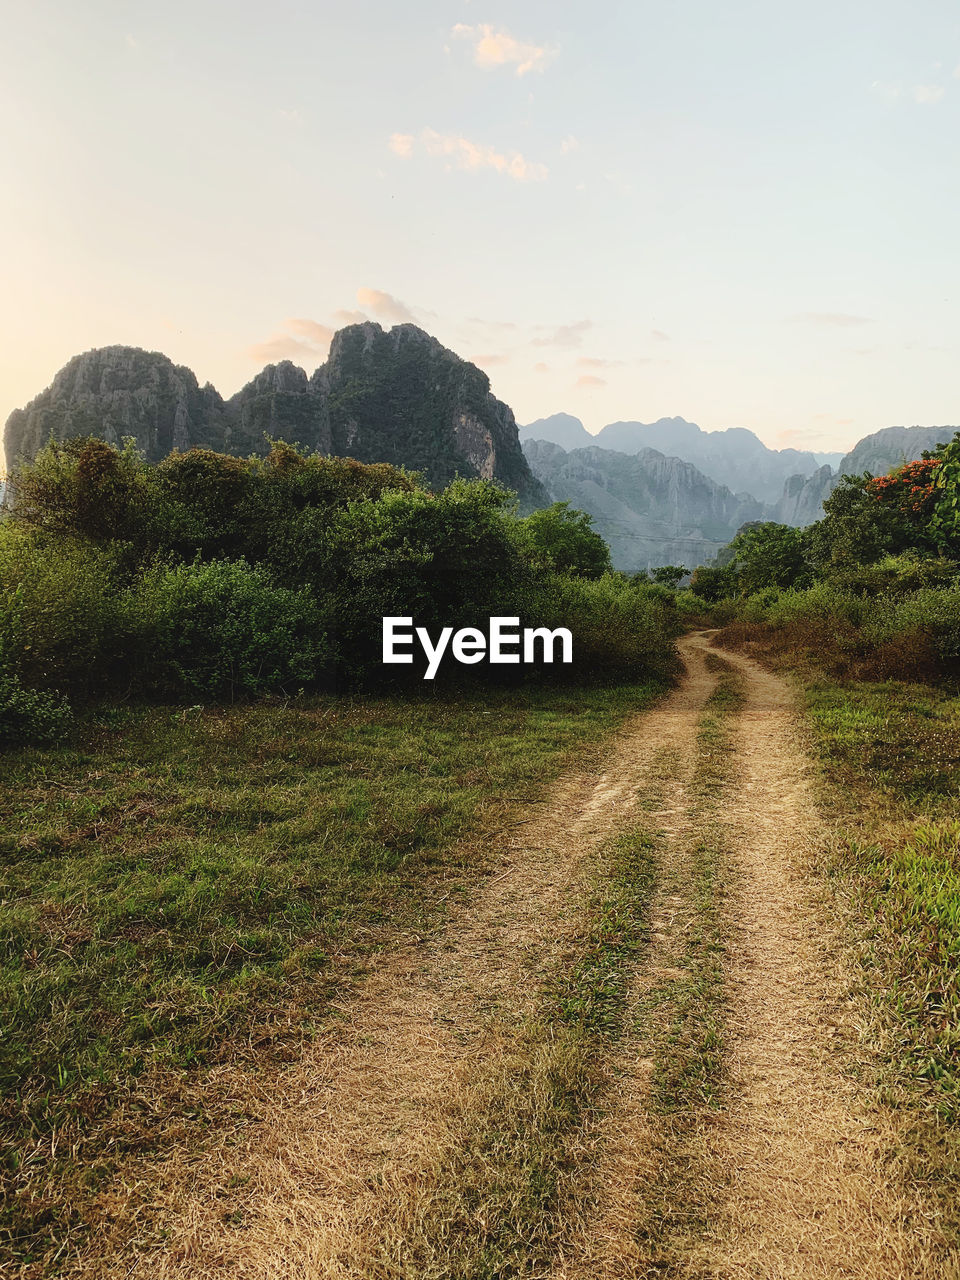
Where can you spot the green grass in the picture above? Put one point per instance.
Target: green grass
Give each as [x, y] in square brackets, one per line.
[893, 753]
[176, 880]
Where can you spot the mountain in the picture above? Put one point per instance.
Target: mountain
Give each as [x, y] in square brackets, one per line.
[394, 396]
[883, 450]
[115, 392]
[801, 502]
[560, 428]
[734, 457]
[650, 508]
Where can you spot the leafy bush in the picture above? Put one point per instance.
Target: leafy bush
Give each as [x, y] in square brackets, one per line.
[564, 541]
[30, 715]
[617, 629]
[222, 628]
[60, 621]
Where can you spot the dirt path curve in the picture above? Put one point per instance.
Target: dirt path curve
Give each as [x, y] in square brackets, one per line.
[308, 1189]
[800, 1155]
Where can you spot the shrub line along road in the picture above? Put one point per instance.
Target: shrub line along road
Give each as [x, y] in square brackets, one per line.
[709, 1130]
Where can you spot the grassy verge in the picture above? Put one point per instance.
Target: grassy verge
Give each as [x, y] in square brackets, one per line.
[177, 885]
[890, 752]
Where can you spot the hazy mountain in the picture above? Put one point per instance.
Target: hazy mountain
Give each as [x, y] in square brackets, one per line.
[560, 428]
[734, 457]
[396, 396]
[883, 450]
[650, 508]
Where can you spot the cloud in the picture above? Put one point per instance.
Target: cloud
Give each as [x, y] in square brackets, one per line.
[659, 336]
[569, 144]
[465, 154]
[485, 361]
[588, 380]
[319, 335]
[566, 335]
[401, 144]
[596, 362]
[831, 319]
[350, 317]
[499, 49]
[290, 115]
[304, 340]
[540, 367]
[927, 94]
[385, 306]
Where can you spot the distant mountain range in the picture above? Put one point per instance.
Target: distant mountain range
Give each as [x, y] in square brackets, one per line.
[734, 457]
[789, 484]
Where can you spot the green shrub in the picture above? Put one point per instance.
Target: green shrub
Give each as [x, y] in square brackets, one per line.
[224, 628]
[60, 622]
[618, 630]
[30, 715]
[563, 540]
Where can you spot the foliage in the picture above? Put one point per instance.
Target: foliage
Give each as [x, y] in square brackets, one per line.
[30, 715]
[669, 575]
[224, 628]
[769, 555]
[712, 583]
[564, 541]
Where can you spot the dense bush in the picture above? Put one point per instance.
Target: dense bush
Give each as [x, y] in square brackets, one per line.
[223, 628]
[30, 715]
[209, 576]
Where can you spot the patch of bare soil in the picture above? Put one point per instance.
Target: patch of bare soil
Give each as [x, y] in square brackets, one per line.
[808, 1188]
[306, 1188]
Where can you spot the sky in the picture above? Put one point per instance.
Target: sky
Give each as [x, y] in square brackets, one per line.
[745, 214]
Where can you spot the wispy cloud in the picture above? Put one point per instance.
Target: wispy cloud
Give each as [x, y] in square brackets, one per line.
[588, 380]
[659, 336]
[928, 94]
[290, 115]
[597, 362]
[569, 144]
[486, 362]
[566, 335]
[385, 306]
[890, 90]
[540, 367]
[831, 319]
[465, 154]
[500, 49]
[303, 340]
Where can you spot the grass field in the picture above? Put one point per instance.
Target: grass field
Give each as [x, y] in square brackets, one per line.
[179, 883]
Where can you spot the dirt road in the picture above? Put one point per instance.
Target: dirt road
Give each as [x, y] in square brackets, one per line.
[781, 1172]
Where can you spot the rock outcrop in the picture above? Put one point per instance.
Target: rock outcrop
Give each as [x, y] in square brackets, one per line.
[650, 508]
[883, 450]
[396, 396]
[114, 392]
[801, 502]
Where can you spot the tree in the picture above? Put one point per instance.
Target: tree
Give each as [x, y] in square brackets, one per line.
[564, 540]
[770, 555]
[669, 575]
[714, 582]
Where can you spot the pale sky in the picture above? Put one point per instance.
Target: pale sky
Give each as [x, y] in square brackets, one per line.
[742, 213]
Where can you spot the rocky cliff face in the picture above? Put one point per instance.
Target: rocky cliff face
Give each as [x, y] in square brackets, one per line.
[651, 509]
[801, 502]
[735, 457]
[396, 396]
[883, 450]
[114, 392]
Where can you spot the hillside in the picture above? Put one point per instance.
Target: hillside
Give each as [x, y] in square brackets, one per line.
[650, 508]
[394, 396]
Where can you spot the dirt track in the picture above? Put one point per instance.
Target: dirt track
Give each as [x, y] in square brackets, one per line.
[792, 1164]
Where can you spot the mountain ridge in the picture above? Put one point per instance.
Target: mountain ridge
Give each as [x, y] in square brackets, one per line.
[393, 395]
